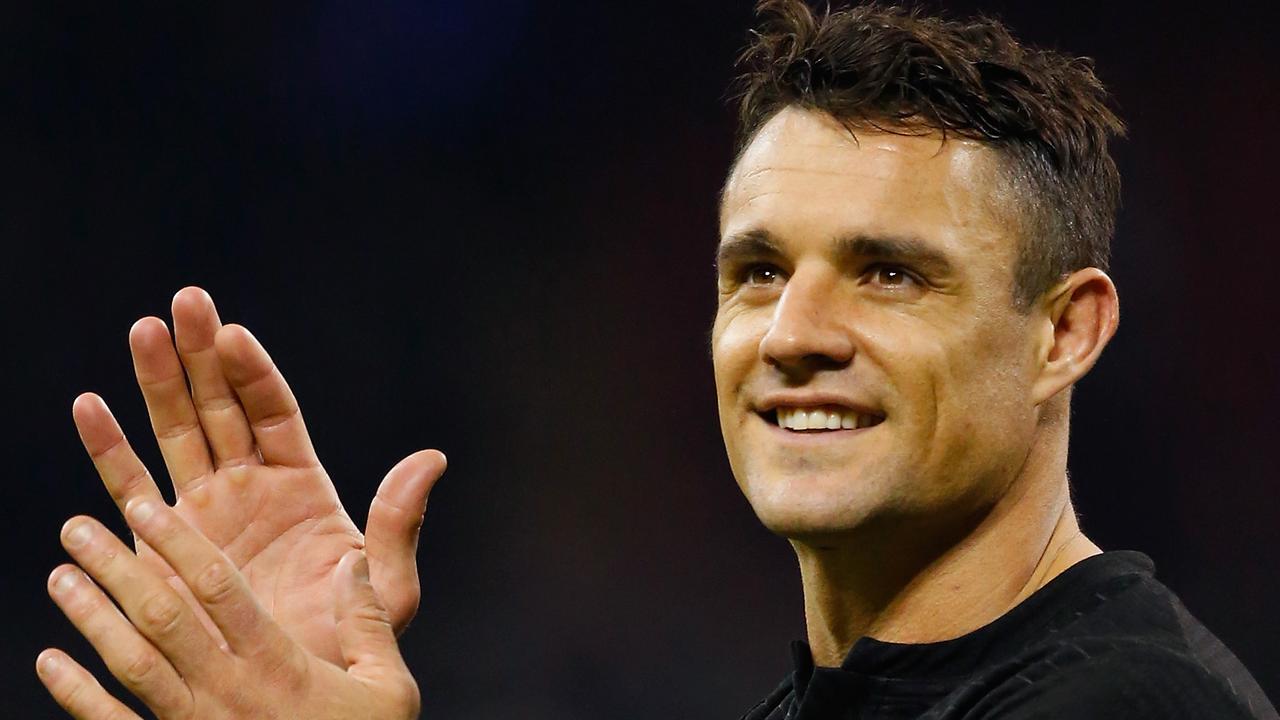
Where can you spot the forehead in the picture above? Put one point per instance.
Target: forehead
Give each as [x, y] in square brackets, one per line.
[804, 173]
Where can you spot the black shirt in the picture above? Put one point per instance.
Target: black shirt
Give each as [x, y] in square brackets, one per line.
[1104, 639]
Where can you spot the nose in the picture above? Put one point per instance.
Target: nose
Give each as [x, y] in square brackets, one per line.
[808, 332]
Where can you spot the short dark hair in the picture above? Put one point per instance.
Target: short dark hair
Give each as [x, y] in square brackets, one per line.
[892, 69]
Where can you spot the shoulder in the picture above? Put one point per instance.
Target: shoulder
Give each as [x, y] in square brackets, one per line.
[1133, 679]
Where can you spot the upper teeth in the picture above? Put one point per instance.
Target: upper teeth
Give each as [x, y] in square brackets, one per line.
[821, 419]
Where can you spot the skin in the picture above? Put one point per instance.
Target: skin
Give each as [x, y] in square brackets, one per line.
[160, 649]
[247, 479]
[875, 273]
[245, 474]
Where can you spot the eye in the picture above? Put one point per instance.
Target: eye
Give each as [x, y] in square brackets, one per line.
[761, 274]
[890, 276]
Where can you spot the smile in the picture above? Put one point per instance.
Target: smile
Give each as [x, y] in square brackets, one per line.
[824, 418]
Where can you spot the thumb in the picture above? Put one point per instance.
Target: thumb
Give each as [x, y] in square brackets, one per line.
[391, 535]
[364, 629]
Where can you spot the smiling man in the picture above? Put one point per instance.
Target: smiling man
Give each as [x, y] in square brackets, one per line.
[914, 240]
[912, 278]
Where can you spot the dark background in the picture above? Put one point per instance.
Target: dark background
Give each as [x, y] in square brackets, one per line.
[488, 227]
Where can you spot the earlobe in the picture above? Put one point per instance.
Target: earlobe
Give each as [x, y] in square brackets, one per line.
[1082, 313]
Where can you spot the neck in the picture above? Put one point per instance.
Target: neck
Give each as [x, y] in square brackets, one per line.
[918, 593]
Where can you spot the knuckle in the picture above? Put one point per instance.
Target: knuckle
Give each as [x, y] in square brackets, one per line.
[239, 461]
[164, 531]
[216, 403]
[102, 562]
[161, 614]
[176, 429]
[139, 669]
[276, 419]
[72, 694]
[83, 698]
[136, 480]
[367, 614]
[91, 606]
[115, 445]
[410, 519]
[215, 583]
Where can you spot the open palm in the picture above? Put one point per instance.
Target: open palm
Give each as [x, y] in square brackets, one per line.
[246, 475]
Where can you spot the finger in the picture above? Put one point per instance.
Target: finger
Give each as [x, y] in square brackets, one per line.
[173, 416]
[364, 629]
[267, 400]
[391, 536]
[121, 471]
[214, 582]
[195, 323]
[131, 659]
[151, 605]
[78, 692]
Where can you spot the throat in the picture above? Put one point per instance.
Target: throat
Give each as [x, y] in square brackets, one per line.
[923, 594]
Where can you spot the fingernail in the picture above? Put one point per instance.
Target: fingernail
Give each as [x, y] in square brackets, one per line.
[65, 582]
[48, 665]
[141, 510]
[79, 535]
[361, 568]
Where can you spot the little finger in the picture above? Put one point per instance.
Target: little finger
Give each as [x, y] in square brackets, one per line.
[77, 691]
[131, 659]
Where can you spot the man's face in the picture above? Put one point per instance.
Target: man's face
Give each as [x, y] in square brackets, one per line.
[865, 295]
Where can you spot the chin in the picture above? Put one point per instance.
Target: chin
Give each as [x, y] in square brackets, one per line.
[812, 506]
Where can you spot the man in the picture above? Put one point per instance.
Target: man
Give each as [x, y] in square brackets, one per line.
[913, 246]
[914, 240]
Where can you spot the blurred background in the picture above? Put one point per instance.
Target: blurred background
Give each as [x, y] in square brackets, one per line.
[488, 228]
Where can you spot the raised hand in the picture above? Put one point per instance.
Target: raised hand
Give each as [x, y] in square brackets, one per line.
[246, 476]
[162, 652]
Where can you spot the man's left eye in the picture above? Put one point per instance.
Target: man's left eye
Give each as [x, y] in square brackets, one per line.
[891, 277]
[761, 274]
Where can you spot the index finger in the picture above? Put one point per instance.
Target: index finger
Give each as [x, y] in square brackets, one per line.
[122, 472]
[213, 580]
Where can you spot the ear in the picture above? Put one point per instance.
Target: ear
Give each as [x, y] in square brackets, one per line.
[1081, 315]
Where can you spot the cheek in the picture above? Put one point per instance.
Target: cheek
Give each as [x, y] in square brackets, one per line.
[913, 361]
[981, 392]
[735, 343]
[947, 380]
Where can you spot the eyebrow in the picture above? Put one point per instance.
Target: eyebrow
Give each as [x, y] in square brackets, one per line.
[905, 249]
[752, 243]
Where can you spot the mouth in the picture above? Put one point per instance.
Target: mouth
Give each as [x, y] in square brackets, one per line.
[819, 419]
